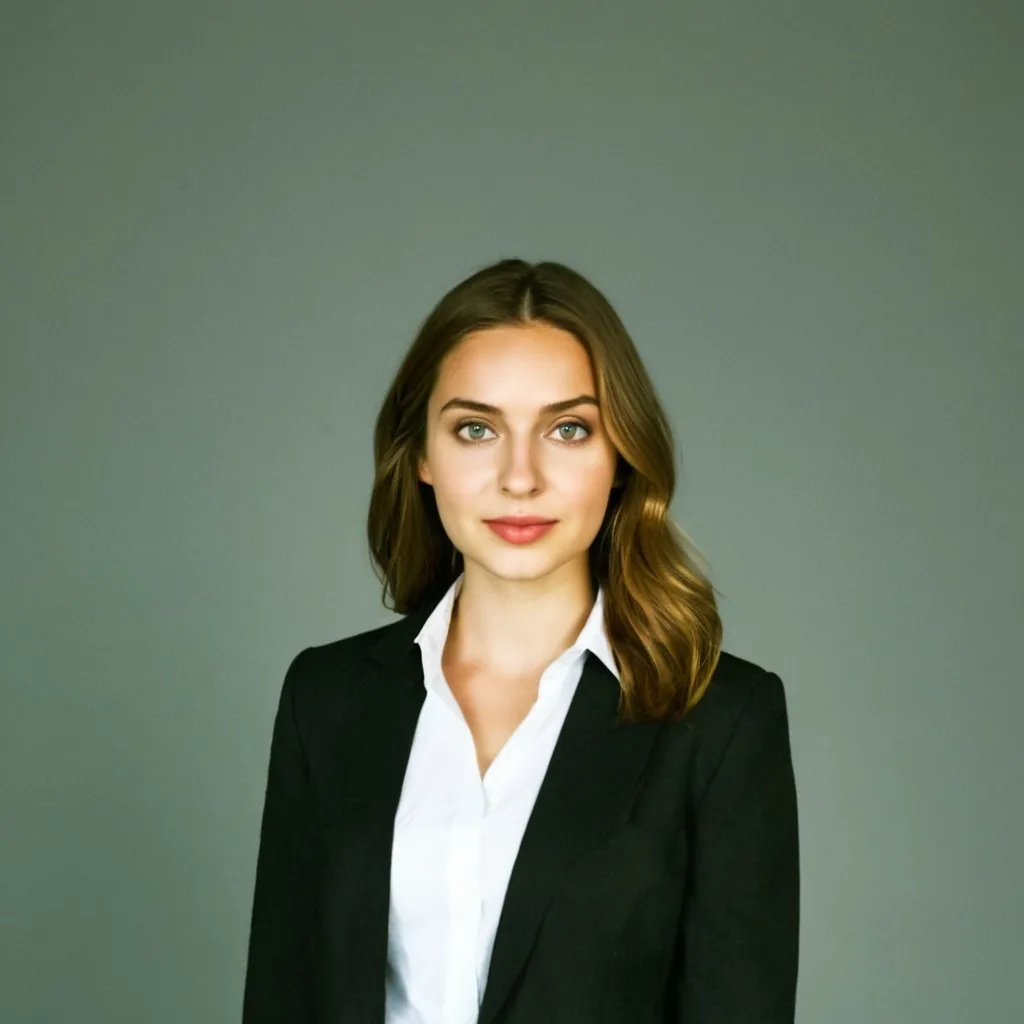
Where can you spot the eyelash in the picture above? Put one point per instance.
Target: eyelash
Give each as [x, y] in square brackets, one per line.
[566, 423]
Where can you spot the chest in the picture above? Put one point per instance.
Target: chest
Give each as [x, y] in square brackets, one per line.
[493, 706]
[571, 842]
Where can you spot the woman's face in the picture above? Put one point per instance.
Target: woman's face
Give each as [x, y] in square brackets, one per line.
[516, 458]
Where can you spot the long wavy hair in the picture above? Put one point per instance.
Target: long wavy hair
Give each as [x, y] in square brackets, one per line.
[660, 611]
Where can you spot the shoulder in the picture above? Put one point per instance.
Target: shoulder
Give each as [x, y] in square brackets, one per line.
[735, 683]
[346, 650]
[742, 716]
[323, 674]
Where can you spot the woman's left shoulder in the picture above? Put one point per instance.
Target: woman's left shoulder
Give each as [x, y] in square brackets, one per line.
[735, 683]
[743, 709]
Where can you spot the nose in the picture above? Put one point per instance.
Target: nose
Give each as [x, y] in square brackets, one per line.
[520, 471]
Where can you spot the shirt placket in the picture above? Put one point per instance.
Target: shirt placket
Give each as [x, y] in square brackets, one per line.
[464, 880]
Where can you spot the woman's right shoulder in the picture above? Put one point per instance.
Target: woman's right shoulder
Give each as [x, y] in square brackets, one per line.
[324, 672]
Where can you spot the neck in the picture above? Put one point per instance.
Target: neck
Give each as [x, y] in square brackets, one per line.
[517, 627]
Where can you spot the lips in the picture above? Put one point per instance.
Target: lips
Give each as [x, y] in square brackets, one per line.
[518, 532]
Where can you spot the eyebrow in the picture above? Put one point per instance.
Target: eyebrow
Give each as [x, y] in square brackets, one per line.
[554, 407]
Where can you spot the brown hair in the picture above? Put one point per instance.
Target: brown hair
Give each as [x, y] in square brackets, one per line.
[660, 611]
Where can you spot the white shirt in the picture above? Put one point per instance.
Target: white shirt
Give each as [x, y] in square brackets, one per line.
[457, 835]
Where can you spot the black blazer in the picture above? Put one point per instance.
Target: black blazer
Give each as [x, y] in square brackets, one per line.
[657, 880]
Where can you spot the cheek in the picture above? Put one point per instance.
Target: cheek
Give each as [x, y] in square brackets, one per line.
[459, 482]
[591, 485]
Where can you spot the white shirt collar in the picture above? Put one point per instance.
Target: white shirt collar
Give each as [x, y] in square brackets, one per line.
[592, 637]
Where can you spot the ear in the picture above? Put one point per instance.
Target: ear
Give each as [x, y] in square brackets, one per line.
[423, 471]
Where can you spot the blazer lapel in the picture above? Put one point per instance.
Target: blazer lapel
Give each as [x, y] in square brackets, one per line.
[587, 790]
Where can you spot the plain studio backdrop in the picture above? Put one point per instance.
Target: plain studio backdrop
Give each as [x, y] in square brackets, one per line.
[220, 226]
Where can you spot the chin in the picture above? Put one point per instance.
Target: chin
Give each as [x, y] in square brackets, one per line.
[522, 564]
[517, 565]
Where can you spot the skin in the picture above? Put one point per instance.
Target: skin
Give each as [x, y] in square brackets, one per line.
[520, 605]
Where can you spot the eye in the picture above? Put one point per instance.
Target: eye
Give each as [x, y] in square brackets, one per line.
[474, 426]
[579, 424]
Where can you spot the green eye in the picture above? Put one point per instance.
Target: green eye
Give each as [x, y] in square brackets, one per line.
[478, 425]
[471, 424]
[574, 423]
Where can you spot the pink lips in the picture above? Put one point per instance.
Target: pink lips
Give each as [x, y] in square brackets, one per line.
[520, 530]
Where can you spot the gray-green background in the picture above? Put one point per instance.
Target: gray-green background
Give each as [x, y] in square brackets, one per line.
[220, 225]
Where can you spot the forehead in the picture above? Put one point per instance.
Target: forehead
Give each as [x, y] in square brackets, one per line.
[532, 364]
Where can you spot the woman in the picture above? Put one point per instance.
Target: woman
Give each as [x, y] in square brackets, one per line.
[545, 794]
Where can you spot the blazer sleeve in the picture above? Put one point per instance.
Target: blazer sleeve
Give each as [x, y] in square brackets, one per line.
[738, 946]
[277, 979]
